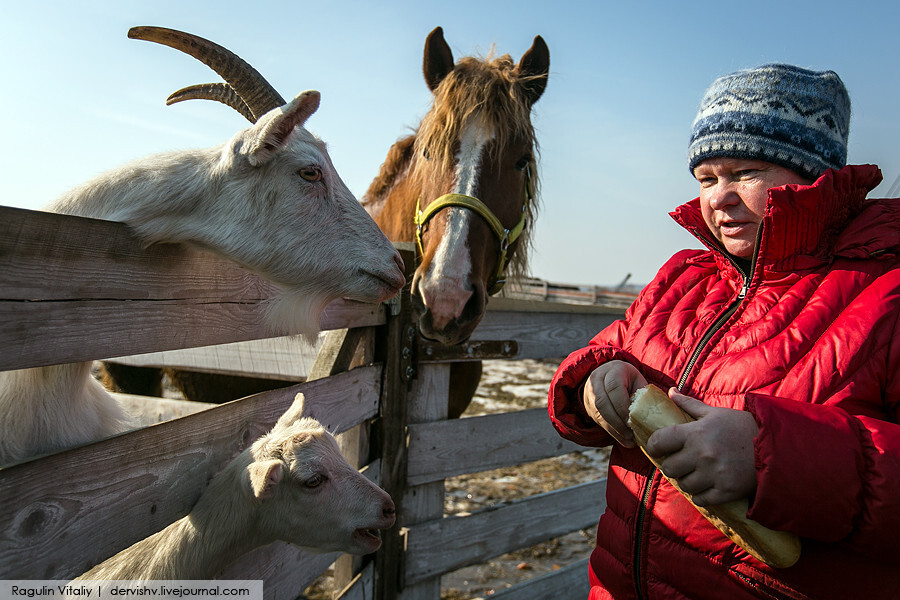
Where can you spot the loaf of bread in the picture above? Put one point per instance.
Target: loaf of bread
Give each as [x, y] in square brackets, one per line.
[651, 409]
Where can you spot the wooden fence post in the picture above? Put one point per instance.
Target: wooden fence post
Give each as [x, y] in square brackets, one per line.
[427, 403]
[396, 351]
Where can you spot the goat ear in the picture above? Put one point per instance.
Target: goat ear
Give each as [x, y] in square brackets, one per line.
[292, 414]
[438, 60]
[264, 476]
[275, 127]
[533, 69]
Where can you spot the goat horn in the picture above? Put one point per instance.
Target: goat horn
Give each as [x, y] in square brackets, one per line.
[220, 92]
[259, 96]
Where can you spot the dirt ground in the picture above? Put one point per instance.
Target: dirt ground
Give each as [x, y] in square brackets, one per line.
[505, 386]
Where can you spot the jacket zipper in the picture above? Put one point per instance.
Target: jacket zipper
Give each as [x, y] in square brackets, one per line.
[711, 332]
[756, 587]
[645, 497]
[728, 312]
[639, 532]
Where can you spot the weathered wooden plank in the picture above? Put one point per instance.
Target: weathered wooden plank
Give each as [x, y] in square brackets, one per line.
[503, 304]
[338, 352]
[287, 357]
[423, 503]
[542, 333]
[467, 351]
[568, 583]
[389, 431]
[146, 410]
[47, 256]
[572, 294]
[448, 448]
[67, 511]
[361, 587]
[42, 333]
[448, 544]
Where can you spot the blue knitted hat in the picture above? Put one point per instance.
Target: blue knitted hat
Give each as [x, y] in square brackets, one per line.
[781, 114]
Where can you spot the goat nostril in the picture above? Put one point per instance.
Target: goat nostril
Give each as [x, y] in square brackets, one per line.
[399, 261]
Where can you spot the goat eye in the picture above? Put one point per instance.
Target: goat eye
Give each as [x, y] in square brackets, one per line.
[310, 174]
[314, 481]
[523, 162]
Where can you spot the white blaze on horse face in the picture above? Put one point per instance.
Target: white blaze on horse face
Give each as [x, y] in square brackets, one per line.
[471, 146]
[445, 288]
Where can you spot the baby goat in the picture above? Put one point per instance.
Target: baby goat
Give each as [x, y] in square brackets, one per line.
[291, 485]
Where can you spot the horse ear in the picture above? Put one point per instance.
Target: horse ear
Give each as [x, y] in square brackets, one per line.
[533, 69]
[438, 60]
[274, 128]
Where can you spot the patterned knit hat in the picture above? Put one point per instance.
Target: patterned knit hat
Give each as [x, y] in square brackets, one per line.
[781, 114]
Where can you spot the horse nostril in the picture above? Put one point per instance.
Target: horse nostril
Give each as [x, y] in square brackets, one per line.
[474, 307]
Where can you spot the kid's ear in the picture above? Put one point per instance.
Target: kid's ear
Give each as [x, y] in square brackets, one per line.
[274, 128]
[264, 476]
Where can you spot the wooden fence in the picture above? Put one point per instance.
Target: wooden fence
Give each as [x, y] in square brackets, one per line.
[74, 289]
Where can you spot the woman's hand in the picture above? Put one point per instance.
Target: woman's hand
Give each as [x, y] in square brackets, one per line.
[607, 396]
[711, 458]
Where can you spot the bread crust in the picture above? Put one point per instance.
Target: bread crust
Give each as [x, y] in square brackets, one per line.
[652, 409]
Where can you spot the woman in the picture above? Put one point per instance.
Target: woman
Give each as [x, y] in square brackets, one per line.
[780, 339]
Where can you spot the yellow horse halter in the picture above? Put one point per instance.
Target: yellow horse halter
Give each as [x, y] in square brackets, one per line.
[505, 236]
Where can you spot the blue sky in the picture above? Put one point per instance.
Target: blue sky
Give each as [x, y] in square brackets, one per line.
[626, 78]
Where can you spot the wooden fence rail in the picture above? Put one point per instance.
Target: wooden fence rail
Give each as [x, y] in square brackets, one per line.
[75, 289]
[444, 449]
[446, 544]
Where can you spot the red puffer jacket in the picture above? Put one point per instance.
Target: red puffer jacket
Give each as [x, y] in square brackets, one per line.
[810, 345]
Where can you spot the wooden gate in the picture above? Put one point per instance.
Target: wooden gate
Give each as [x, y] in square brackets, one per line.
[74, 289]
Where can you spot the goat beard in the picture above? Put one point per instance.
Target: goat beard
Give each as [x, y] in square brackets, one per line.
[295, 312]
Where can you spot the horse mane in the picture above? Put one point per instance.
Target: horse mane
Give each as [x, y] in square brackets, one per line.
[395, 163]
[492, 90]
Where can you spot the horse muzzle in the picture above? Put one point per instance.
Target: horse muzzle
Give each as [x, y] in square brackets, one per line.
[448, 313]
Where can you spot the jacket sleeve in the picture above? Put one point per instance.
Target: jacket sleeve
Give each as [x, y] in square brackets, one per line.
[613, 343]
[840, 480]
[564, 402]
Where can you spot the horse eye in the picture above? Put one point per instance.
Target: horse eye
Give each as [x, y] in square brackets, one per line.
[310, 174]
[314, 481]
[426, 154]
[523, 162]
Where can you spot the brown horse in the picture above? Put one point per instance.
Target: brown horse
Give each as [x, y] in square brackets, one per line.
[463, 187]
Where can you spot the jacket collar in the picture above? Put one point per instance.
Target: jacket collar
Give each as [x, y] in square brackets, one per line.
[806, 226]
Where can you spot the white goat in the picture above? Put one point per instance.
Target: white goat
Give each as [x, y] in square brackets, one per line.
[269, 199]
[291, 485]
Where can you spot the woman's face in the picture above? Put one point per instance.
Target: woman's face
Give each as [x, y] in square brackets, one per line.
[733, 197]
